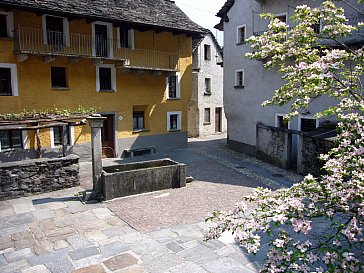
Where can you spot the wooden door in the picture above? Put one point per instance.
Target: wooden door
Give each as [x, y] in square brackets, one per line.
[218, 117]
[108, 137]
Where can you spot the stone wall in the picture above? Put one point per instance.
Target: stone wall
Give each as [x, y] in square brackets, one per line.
[309, 150]
[28, 177]
[273, 145]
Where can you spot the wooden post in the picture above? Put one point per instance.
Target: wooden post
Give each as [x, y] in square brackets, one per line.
[64, 140]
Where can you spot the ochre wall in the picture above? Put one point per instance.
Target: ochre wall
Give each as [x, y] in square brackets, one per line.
[133, 88]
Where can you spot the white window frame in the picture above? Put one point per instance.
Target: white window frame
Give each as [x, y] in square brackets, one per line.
[179, 120]
[113, 76]
[236, 78]
[131, 38]
[66, 29]
[14, 77]
[307, 117]
[24, 136]
[238, 40]
[204, 52]
[178, 86]
[208, 80]
[204, 116]
[109, 36]
[280, 14]
[281, 115]
[72, 137]
[9, 23]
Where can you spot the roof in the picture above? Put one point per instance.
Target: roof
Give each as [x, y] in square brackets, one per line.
[223, 14]
[197, 41]
[157, 14]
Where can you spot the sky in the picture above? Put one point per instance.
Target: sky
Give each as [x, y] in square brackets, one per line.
[203, 13]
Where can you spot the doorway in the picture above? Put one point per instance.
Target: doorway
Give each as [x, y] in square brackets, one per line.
[101, 40]
[108, 136]
[218, 120]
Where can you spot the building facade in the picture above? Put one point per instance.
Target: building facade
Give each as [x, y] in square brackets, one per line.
[247, 83]
[206, 114]
[133, 63]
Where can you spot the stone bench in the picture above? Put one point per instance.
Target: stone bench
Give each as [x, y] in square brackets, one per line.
[135, 151]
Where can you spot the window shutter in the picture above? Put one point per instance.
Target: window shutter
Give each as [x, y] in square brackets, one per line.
[131, 38]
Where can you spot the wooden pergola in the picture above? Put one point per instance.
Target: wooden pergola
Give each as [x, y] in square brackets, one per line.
[35, 122]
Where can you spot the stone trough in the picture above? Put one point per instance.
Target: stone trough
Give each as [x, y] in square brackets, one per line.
[140, 177]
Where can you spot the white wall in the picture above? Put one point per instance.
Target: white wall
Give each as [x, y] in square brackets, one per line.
[243, 106]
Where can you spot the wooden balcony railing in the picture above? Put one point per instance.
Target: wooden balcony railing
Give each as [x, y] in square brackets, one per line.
[36, 42]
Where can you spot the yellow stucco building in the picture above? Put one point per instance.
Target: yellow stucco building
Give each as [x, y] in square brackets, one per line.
[131, 60]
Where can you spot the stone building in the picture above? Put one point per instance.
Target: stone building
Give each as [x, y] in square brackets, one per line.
[206, 114]
[132, 62]
[247, 83]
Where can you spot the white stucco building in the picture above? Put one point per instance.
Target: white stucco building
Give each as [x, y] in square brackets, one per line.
[247, 83]
[206, 114]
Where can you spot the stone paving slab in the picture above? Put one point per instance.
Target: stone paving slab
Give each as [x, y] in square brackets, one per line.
[157, 232]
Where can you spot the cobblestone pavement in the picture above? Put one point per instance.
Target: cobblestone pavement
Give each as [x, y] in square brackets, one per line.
[157, 232]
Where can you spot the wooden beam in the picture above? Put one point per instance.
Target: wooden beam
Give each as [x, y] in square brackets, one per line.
[49, 59]
[73, 60]
[45, 126]
[43, 120]
[22, 57]
[97, 61]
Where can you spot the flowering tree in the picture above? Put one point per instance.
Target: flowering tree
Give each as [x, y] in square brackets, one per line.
[317, 224]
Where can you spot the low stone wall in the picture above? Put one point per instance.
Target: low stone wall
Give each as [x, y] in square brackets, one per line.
[135, 178]
[309, 150]
[273, 145]
[34, 176]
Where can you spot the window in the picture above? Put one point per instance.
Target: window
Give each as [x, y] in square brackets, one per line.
[241, 35]
[174, 120]
[281, 17]
[280, 122]
[105, 78]
[5, 82]
[11, 139]
[102, 35]
[58, 77]
[55, 31]
[8, 80]
[6, 24]
[173, 87]
[207, 117]
[207, 86]
[126, 37]
[307, 124]
[207, 52]
[57, 136]
[3, 25]
[239, 78]
[138, 120]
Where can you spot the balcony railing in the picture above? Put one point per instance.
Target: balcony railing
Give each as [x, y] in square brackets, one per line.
[36, 42]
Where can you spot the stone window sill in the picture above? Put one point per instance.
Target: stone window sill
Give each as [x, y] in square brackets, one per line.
[106, 91]
[173, 98]
[207, 94]
[61, 88]
[239, 86]
[207, 123]
[174, 130]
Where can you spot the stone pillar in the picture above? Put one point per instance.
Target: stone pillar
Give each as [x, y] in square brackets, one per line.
[96, 122]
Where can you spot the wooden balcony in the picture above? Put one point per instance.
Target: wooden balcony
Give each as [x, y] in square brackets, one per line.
[30, 41]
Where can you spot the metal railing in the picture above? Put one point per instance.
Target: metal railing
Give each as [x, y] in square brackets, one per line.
[37, 42]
